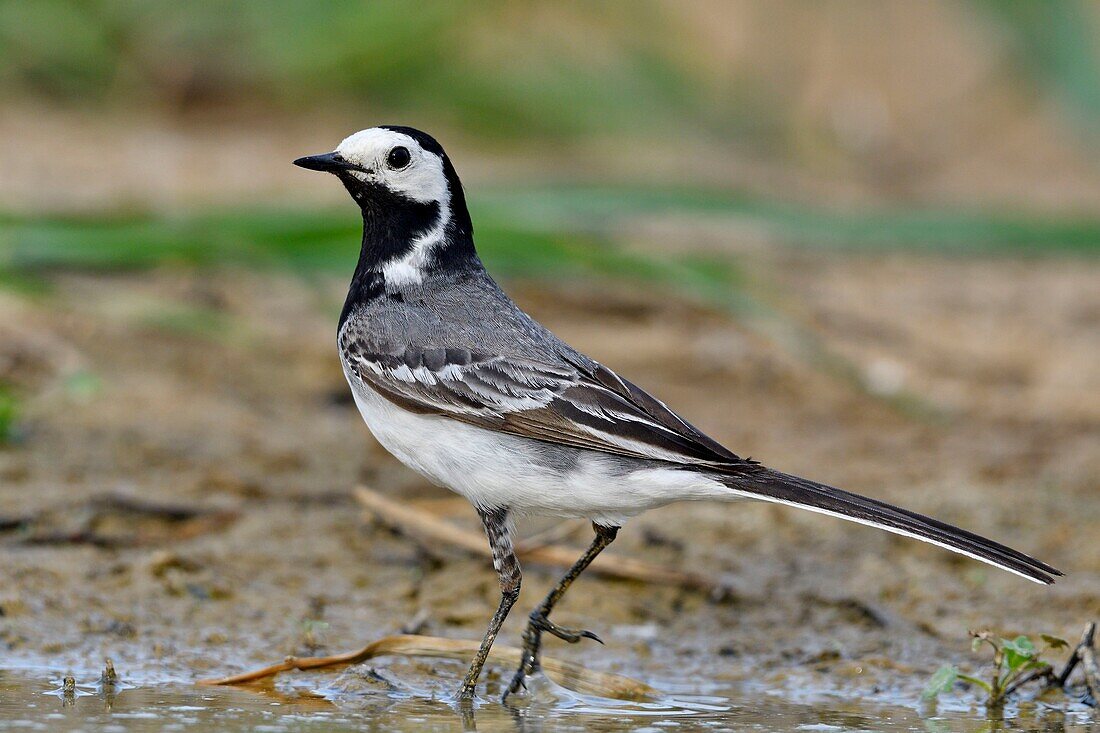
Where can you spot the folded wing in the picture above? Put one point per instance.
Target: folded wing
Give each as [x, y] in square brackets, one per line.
[574, 403]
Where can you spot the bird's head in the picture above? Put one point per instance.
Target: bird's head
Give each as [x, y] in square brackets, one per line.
[414, 209]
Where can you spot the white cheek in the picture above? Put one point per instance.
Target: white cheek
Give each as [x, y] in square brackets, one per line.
[422, 181]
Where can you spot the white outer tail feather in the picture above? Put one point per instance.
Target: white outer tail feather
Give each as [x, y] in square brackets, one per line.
[893, 530]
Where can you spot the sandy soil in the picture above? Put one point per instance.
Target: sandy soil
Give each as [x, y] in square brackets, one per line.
[971, 391]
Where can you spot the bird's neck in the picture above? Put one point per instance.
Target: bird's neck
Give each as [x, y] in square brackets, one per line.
[403, 245]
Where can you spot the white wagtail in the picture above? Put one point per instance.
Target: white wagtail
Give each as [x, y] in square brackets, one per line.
[468, 390]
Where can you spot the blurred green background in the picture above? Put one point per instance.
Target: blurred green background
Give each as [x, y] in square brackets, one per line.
[966, 126]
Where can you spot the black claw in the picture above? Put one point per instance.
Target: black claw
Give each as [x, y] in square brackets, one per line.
[573, 635]
[593, 637]
[518, 681]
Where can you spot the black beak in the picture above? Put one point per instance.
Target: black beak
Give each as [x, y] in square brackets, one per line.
[328, 162]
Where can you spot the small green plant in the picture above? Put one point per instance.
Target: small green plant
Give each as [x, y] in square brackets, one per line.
[312, 632]
[9, 413]
[1015, 662]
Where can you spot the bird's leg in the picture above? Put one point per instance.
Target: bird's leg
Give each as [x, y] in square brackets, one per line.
[539, 621]
[507, 567]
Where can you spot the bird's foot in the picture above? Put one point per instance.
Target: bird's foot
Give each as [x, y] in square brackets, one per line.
[540, 622]
[532, 644]
[528, 665]
[529, 659]
[466, 693]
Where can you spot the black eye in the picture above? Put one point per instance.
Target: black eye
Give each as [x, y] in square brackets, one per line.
[398, 158]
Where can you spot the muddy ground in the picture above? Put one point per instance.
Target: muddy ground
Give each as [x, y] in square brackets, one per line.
[970, 390]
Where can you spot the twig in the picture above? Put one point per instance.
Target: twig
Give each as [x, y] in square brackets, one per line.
[1088, 664]
[567, 674]
[424, 527]
[1087, 638]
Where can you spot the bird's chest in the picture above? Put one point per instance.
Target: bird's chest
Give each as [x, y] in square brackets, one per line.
[488, 468]
[396, 429]
[452, 454]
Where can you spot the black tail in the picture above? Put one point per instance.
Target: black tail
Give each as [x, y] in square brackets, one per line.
[781, 488]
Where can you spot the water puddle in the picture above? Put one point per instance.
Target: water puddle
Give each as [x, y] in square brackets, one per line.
[376, 698]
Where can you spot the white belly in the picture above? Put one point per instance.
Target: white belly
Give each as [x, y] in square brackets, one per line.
[498, 470]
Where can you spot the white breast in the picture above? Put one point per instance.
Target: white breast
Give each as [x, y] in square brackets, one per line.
[498, 470]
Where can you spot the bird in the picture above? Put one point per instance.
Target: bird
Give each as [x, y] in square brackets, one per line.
[461, 385]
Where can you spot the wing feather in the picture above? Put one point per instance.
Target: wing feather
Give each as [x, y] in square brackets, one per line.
[577, 403]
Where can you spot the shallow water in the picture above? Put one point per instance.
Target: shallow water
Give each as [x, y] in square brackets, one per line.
[368, 698]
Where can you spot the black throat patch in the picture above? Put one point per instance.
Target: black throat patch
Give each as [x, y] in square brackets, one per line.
[392, 222]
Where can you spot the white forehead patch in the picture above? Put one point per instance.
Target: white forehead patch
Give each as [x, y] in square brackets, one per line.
[421, 180]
